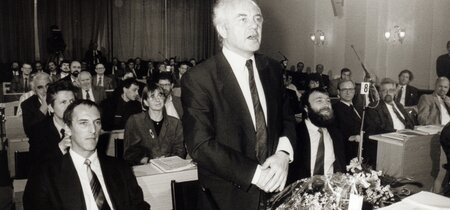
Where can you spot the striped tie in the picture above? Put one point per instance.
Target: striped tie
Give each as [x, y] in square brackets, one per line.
[96, 188]
[261, 130]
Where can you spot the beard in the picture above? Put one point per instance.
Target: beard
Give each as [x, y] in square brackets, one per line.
[75, 73]
[319, 119]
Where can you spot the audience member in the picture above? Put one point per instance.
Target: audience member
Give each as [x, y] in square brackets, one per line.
[114, 69]
[53, 71]
[35, 109]
[172, 103]
[75, 68]
[182, 69]
[87, 91]
[294, 98]
[93, 56]
[299, 78]
[325, 79]
[407, 95]
[131, 68]
[346, 75]
[384, 116]
[48, 139]
[313, 81]
[348, 118]
[320, 148]
[38, 67]
[443, 64]
[13, 73]
[140, 69]
[445, 144]
[65, 69]
[117, 108]
[433, 109]
[193, 62]
[83, 178]
[102, 80]
[153, 134]
[22, 83]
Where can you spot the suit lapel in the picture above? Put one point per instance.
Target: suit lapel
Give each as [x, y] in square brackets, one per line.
[387, 115]
[70, 185]
[229, 86]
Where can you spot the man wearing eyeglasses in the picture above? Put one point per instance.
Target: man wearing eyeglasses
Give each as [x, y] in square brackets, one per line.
[173, 103]
[348, 118]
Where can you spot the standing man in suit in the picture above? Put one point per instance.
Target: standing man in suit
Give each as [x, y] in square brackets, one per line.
[325, 79]
[320, 148]
[22, 83]
[82, 178]
[87, 91]
[407, 95]
[101, 80]
[443, 64]
[384, 116]
[173, 103]
[47, 140]
[237, 122]
[433, 109]
[35, 109]
[348, 118]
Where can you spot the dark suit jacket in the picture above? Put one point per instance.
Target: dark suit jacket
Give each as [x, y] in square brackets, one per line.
[219, 132]
[31, 114]
[43, 142]
[57, 186]
[301, 167]
[141, 139]
[411, 96]
[18, 84]
[178, 106]
[108, 82]
[110, 119]
[349, 123]
[99, 94]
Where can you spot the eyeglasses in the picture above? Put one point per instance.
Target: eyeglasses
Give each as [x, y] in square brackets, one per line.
[347, 90]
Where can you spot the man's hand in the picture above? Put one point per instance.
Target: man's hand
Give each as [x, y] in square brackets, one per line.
[274, 172]
[355, 138]
[43, 108]
[64, 144]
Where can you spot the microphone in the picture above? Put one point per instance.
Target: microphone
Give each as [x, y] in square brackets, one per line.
[285, 58]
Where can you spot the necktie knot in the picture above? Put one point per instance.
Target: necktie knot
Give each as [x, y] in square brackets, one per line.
[249, 65]
[87, 162]
[320, 131]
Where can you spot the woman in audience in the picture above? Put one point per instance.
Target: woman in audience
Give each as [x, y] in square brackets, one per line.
[152, 134]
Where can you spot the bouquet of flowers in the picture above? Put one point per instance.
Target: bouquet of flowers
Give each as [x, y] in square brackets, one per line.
[333, 192]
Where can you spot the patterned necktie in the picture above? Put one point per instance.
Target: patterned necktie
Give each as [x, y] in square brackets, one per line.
[320, 161]
[96, 188]
[261, 130]
[88, 97]
[399, 116]
[399, 95]
[100, 82]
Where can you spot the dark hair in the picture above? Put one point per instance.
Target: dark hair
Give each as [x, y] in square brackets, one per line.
[64, 61]
[130, 61]
[185, 63]
[305, 97]
[69, 111]
[314, 77]
[128, 82]
[150, 88]
[165, 76]
[54, 88]
[411, 76]
[345, 70]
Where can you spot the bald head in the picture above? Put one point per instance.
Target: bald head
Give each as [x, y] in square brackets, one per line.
[85, 78]
[441, 87]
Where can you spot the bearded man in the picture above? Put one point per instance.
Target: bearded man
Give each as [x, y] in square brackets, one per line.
[320, 146]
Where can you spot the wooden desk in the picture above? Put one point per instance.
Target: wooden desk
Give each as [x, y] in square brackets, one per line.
[417, 157]
[156, 185]
[18, 144]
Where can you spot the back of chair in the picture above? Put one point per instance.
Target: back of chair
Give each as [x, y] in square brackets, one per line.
[10, 108]
[185, 194]
[118, 147]
[21, 165]
[14, 127]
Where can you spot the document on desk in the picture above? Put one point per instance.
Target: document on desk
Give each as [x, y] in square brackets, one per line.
[173, 163]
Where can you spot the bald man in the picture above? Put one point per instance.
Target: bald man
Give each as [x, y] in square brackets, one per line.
[87, 90]
[433, 109]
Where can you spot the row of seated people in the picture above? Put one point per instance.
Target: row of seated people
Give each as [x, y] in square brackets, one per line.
[108, 74]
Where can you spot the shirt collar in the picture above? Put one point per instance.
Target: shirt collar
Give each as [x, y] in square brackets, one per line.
[58, 127]
[311, 127]
[236, 61]
[346, 103]
[79, 160]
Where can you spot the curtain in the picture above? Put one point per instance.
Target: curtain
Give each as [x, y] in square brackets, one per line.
[191, 33]
[16, 31]
[80, 22]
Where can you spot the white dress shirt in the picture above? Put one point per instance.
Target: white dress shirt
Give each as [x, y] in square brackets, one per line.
[314, 137]
[91, 94]
[240, 72]
[398, 125]
[81, 168]
[402, 99]
[170, 108]
[100, 80]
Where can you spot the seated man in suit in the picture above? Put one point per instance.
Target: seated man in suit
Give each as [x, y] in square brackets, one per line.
[348, 118]
[118, 107]
[407, 95]
[87, 91]
[82, 178]
[34, 109]
[384, 116]
[47, 138]
[22, 83]
[325, 79]
[346, 74]
[75, 69]
[320, 148]
[101, 80]
[65, 69]
[173, 103]
[433, 109]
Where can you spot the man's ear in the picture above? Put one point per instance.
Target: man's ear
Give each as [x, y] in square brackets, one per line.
[222, 30]
[50, 108]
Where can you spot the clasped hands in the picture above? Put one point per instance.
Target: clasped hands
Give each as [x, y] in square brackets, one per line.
[274, 173]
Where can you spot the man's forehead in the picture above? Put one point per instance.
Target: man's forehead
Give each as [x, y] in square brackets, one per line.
[318, 95]
[84, 112]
